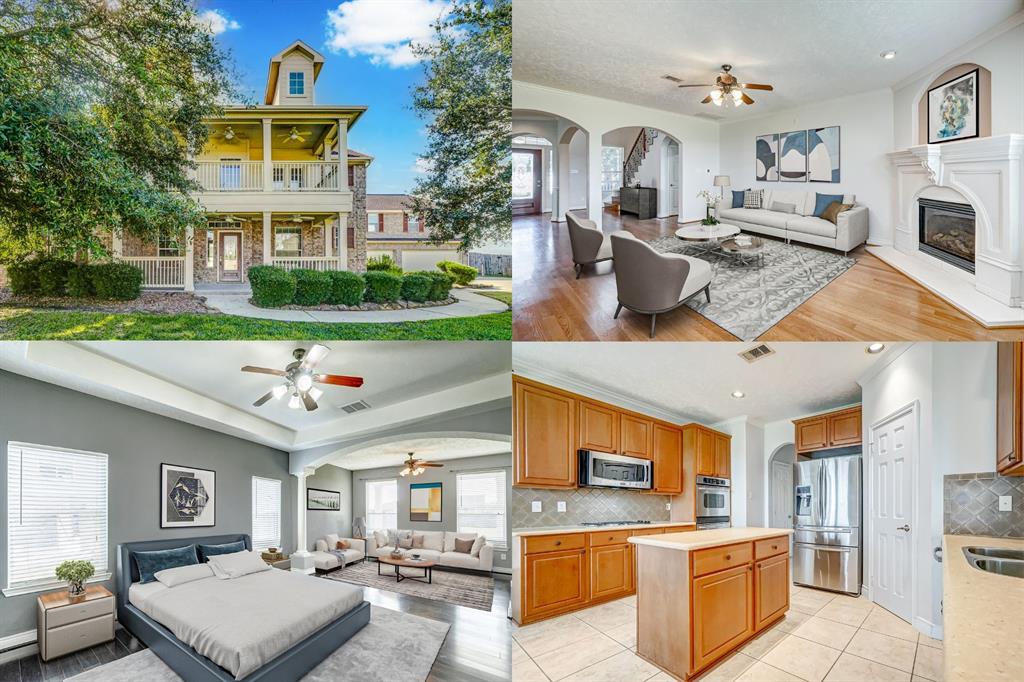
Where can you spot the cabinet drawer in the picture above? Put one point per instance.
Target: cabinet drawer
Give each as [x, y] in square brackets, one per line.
[77, 612]
[719, 558]
[87, 633]
[770, 547]
[554, 543]
[647, 531]
[612, 537]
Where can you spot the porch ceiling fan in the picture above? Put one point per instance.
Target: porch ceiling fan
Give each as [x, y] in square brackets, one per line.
[300, 377]
[296, 218]
[230, 218]
[295, 135]
[724, 88]
[229, 135]
[415, 467]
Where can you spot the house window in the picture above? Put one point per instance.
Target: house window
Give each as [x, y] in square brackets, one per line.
[373, 222]
[382, 504]
[480, 506]
[56, 511]
[168, 245]
[611, 169]
[288, 241]
[210, 262]
[296, 83]
[266, 513]
[415, 225]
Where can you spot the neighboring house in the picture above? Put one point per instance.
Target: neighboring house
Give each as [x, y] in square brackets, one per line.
[278, 179]
[394, 230]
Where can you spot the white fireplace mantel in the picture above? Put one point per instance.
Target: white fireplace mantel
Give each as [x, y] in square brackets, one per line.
[989, 173]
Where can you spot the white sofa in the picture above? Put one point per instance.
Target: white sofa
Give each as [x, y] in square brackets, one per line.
[850, 230]
[323, 560]
[439, 546]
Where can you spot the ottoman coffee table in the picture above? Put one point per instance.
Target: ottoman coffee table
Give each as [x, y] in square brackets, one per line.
[745, 250]
[426, 565]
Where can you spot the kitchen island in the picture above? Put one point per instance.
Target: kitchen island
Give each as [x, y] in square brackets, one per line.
[702, 594]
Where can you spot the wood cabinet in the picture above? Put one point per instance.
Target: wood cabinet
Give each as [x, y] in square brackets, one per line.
[667, 450]
[635, 436]
[544, 436]
[557, 582]
[1010, 408]
[599, 427]
[643, 201]
[722, 613]
[771, 588]
[838, 429]
[712, 450]
[611, 571]
[723, 455]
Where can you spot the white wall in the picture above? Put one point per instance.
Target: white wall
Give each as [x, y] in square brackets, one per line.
[865, 136]
[578, 172]
[737, 428]
[755, 475]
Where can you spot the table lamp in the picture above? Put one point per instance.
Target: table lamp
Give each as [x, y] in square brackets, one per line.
[723, 182]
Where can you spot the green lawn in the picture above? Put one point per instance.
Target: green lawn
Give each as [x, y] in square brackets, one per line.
[29, 324]
[503, 296]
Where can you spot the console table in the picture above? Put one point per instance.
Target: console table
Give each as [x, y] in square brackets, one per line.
[643, 201]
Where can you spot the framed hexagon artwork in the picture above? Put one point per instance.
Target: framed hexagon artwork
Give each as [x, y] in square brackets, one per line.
[187, 496]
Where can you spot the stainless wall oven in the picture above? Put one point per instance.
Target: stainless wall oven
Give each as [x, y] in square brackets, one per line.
[607, 470]
[713, 503]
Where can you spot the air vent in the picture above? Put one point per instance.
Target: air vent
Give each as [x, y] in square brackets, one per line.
[357, 406]
[757, 352]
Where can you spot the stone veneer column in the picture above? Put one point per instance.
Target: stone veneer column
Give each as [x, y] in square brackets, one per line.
[342, 242]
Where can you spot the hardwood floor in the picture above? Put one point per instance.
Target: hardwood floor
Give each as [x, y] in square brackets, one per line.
[869, 302]
[478, 645]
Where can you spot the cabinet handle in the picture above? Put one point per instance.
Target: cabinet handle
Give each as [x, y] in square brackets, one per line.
[557, 543]
[728, 557]
[775, 546]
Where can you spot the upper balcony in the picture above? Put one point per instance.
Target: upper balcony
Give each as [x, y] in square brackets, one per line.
[285, 176]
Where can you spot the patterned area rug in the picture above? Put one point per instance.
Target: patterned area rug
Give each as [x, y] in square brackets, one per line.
[474, 591]
[747, 300]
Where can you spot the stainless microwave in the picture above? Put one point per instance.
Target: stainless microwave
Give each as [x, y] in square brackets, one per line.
[607, 470]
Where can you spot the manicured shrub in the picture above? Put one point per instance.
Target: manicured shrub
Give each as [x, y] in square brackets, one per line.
[463, 274]
[80, 282]
[440, 284]
[24, 277]
[382, 287]
[346, 288]
[272, 287]
[416, 287]
[118, 281]
[382, 262]
[312, 287]
[53, 276]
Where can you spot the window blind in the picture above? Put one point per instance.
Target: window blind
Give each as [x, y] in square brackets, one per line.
[382, 504]
[56, 511]
[266, 513]
[481, 506]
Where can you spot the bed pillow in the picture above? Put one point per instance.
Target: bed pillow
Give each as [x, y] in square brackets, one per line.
[183, 574]
[149, 563]
[821, 202]
[227, 566]
[207, 551]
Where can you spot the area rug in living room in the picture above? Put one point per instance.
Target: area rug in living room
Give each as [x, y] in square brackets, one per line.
[747, 300]
[474, 591]
[393, 647]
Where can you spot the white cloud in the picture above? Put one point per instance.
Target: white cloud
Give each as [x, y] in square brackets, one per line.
[216, 22]
[383, 31]
[422, 166]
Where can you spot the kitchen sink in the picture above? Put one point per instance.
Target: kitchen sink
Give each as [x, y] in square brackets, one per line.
[1002, 567]
[997, 552]
[996, 560]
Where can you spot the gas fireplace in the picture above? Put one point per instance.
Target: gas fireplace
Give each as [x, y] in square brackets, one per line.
[946, 231]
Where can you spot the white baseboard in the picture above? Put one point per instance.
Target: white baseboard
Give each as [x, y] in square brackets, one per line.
[18, 646]
[500, 569]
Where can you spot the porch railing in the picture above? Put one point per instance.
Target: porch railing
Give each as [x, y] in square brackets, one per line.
[230, 176]
[306, 176]
[287, 176]
[159, 271]
[306, 263]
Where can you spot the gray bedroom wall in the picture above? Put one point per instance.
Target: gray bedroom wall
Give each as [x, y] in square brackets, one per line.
[318, 522]
[446, 476]
[136, 443]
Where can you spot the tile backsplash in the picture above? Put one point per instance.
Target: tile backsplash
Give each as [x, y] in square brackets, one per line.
[585, 504]
[970, 504]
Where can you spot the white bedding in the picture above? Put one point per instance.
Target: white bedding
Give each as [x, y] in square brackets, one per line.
[243, 623]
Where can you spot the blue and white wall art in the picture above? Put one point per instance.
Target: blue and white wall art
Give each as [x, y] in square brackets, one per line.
[823, 154]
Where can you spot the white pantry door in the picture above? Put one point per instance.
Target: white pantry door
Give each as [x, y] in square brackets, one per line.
[893, 448]
[782, 495]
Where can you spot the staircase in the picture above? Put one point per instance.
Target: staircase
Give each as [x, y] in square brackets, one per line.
[637, 154]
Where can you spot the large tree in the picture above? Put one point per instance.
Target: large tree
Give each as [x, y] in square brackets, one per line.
[467, 101]
[101, 105]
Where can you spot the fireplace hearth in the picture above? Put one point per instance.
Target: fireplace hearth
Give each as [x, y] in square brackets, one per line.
[946, 231]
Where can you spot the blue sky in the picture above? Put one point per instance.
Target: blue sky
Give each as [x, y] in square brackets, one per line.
[367, 61]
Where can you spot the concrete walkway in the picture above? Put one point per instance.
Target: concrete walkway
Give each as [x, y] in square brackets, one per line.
[469, 305]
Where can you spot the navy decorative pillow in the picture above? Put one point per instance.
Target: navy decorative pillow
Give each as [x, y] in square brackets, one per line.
[207, 551]
[150, 563]
[822, 201]
[737, 198]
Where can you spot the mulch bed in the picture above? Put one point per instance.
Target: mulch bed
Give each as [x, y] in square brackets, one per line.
[397, 305]
[166, 302]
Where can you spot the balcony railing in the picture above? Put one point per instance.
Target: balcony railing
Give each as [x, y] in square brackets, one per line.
[230, 176]
[287, 176]
[159, 271]
[306, 262]
[305, 176]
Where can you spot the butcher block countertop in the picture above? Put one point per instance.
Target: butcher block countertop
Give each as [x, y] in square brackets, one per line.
[557, 530]
[700, 539]
[982, 614]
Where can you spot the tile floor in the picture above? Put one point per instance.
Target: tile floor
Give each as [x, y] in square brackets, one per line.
[825, 636]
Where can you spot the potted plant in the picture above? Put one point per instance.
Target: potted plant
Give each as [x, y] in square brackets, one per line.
[75, 573]
[709, 201]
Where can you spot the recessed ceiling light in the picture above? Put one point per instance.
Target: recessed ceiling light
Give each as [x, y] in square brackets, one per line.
[888, 54]
[738, 394]
[875, 348]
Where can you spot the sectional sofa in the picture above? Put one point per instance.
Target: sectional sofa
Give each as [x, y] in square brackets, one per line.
[436, 546]
[324, 560]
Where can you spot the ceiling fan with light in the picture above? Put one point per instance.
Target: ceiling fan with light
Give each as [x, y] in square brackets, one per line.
[415, 467]
[724, 89]
[229, 135]
[296, 218]
[299, 377]
[294, 135]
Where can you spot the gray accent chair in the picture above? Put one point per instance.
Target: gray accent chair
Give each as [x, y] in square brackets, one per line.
[589, 244]
[650, 282]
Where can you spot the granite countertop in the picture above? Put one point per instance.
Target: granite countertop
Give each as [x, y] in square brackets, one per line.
[983, 614]
[554, 530]
[700, 539]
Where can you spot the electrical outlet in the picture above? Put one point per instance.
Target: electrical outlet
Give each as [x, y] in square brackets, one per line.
[668, 506]
[535, 506]
[561, 505]
[502, 556]
[1005, 503]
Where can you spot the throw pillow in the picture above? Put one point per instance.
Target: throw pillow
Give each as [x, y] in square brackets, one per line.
[207, 551]
[332, 540]
[463, 546]
[405, 541]
[380, 538]
[821, 202]
[782, 208]
[320, 545]
[341, 544]
[752, 198]
[149, 563]
[477, 544]
[737, 198]
[831, 213]
[417, 541]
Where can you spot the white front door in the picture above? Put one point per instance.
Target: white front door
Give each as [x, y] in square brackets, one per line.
[782, 495]
[893, 448]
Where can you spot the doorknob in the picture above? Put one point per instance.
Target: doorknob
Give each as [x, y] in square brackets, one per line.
[905, 528]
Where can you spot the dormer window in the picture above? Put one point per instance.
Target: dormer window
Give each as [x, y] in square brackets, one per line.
[296, 83]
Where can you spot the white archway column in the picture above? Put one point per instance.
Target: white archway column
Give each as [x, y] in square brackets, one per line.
[301, 559]
[594, 203]
[682, 168]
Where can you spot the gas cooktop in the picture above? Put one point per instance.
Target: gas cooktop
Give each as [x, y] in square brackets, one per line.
[613, 523]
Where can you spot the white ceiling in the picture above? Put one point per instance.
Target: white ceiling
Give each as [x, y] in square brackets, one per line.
[434, 449]
[693, 381]
[808, 49]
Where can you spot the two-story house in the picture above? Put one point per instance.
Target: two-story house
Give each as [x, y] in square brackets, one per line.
[278, 180]
[395, 230]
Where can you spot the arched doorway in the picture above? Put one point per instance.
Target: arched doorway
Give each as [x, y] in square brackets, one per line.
[780, 486]
[646, 157]
[563, 172]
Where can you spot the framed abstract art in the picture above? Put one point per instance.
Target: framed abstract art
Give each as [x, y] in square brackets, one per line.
[953, 109]
[766, 158]
[425, 501]
[793, 156]
[188, 496]
[823, 154]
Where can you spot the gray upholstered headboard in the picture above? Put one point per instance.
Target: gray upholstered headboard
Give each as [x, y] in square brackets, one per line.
[128, 572]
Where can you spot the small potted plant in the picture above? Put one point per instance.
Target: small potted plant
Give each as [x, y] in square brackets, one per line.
[75, 573]
[709, 201]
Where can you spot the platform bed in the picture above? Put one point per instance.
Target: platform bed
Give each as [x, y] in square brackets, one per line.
[289, 666]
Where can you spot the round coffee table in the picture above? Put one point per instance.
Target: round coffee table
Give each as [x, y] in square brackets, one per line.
[426, 565]
[747, 250]
[707, 235]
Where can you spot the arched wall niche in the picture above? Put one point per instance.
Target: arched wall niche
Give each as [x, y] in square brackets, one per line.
[984, 99]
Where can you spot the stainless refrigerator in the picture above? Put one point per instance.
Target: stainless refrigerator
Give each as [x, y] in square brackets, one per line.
[827, 514]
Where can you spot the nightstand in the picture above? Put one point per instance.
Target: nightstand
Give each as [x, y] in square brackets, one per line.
[68, 624]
